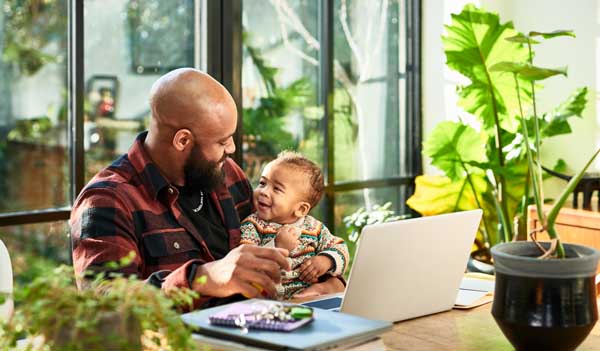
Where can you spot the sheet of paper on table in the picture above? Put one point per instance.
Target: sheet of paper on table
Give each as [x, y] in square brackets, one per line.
[475, 290]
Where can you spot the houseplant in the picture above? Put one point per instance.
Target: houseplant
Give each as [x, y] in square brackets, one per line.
[121, 313]
[484, 160]
[545, 295]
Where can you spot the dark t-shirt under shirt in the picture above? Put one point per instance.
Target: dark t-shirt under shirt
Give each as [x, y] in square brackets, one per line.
[206, 219]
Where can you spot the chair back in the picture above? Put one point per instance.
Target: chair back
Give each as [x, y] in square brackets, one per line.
[6, 282]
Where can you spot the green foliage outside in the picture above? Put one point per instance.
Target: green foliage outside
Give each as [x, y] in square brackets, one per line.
[29, 26]
[358, 220]
[488, 168]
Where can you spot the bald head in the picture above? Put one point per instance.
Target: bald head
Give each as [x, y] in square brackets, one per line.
[187, 98]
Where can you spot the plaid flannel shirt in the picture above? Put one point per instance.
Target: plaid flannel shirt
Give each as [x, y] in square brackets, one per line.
[131, 206]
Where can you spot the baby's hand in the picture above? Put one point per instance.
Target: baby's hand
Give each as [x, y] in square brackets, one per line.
[311, 269]
[288, 237]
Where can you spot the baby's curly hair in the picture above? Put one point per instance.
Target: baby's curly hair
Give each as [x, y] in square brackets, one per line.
[303, 164]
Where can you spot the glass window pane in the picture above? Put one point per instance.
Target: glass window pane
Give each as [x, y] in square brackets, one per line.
[128, 45]
[279, 82]
[369, 77]
[348, 202]
[35, 249]
[34, 164]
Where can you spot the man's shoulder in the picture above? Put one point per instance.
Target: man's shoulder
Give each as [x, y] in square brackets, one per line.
[120, 172]
[117, 179]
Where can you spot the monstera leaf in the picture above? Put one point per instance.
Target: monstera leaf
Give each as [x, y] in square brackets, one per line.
[438, 194]
[528, 71]
[475, 42]
[556, 122]
[452, 146]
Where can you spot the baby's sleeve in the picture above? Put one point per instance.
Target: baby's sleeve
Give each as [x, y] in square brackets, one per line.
[335, 248]
[249, 234]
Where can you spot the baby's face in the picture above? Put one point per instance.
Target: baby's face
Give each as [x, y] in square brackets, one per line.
[280, 192]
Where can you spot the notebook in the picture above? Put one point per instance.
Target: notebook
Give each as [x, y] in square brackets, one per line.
[327, 330]
[262, 315]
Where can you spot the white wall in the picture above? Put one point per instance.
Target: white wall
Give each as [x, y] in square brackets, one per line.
[580, 54]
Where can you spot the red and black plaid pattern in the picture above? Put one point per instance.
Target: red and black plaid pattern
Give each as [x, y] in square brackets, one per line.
[130, 206]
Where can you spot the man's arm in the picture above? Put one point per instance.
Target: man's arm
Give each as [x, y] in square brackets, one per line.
[102, 231]
[244, 270]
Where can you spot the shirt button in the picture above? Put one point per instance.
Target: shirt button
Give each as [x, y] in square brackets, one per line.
[171, 191]
[176, 245]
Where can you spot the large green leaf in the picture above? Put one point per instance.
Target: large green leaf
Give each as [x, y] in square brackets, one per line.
[452, 146]
[556, 121]
[437, 194]
[524, 39]
[553, 34]
[475, 41]
[528, 71]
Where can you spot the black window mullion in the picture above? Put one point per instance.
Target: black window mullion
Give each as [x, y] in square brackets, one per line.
[372, 183]
[326, 100]
[413, 94]
[224, 55]
[75, 96]
[38, 216]
[413, 86]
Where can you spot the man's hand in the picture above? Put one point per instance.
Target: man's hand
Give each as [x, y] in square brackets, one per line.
[244, 270]
[311, 269]
[288, 237]
[330, 286]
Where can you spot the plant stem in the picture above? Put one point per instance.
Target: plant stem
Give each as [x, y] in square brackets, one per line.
[486, 237]
[536, 130]
[534, 178]
[551, 219]
[560, 249]
[501, 181]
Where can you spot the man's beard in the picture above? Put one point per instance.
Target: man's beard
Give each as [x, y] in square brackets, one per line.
[201, 174]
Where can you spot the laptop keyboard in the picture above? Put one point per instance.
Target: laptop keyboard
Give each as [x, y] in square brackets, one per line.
[332, 304]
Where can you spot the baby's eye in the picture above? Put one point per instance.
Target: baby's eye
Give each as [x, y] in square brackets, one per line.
[278, 189]
[262, 183]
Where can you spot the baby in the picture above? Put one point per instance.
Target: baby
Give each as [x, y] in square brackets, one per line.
[290, 186]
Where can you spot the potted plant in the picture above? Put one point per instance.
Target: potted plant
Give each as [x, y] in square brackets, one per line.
[545, 295]
[120, 313]
[484, 159]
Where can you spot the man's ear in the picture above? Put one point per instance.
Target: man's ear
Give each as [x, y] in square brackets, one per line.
[302, 209]
[182, 139]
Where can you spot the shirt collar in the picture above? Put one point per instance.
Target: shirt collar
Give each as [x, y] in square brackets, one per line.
[148, 172]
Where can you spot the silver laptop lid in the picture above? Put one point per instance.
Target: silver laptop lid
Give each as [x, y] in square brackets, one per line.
[410, 268]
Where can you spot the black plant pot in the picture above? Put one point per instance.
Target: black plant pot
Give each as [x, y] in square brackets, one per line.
[544, 304]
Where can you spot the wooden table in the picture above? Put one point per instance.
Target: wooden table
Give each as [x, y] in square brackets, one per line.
[455, 330]
[463, 330]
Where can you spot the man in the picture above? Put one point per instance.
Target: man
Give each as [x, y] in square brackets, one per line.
[176, 200]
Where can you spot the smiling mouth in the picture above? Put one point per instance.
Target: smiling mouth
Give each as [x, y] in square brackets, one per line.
[263, 205]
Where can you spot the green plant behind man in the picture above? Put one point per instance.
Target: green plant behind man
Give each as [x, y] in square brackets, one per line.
[487, 167]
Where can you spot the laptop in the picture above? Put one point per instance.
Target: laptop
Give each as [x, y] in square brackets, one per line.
[407, 269]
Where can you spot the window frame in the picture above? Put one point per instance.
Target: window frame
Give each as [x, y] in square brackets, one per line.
[224, 62]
